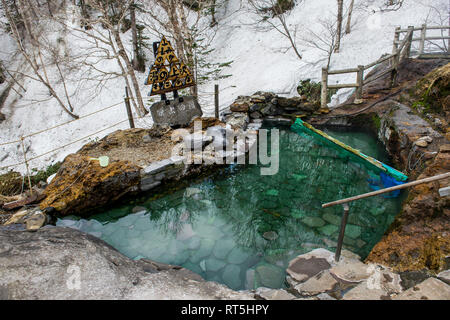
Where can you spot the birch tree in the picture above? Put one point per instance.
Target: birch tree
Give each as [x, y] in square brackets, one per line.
[349, 17]
[339, 25]
[32, 45]
[273, 14]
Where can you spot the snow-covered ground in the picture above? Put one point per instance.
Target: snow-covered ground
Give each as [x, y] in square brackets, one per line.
[262, 61]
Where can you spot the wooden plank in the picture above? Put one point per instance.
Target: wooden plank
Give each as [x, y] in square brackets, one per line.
[386, 190]
[438, 27]
[339, 86]
[370, 65]
[351, 70]
[434, 56]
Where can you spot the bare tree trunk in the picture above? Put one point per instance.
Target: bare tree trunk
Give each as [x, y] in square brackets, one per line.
[349, 17]
[32, 62]
[188, 48]
[213, 13]
[339, 25]
[134, 36]
[141, 109]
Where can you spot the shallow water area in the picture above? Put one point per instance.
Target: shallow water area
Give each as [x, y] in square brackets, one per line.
[241, 228]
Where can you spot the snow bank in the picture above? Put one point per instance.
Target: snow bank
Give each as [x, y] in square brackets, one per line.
[262, 60]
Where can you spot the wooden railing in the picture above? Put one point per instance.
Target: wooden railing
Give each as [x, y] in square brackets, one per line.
[401, 49]
[443, 192]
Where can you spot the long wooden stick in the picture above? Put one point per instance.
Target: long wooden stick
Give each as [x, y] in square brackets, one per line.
[375, 193]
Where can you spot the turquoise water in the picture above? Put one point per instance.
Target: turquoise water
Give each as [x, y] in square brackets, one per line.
[240, 228]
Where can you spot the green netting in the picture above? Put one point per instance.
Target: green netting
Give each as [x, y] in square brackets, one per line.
[345, 151]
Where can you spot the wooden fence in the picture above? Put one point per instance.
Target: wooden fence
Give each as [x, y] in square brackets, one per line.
[401, 49]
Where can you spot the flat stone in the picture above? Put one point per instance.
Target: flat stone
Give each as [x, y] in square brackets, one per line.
[351, 270]
[230, 276]
[158, 166]
[36, 221]
[445, 276]
[269, 275]
[352, 231]
[421, 143]
[196, 141]
[222, 248]
[298, 213]
[273, 294]
[329, 229]
[272, 192]
[270, 235]
[430, 289]
[214, 265]
[320, 283]
[350, 255]
[364, 292]
[250, 279]
[185, 232]
[203, 251]
[325, 296]
[310, 264]
[332, 218]
[237, 256]
[313, 222]
[18, 217]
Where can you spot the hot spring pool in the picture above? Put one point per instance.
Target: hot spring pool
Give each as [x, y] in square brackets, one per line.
[241, 229]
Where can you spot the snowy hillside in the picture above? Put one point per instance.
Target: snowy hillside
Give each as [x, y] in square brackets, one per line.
[262, 61]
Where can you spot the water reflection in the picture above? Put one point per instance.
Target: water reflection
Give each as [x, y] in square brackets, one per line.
[240, 228]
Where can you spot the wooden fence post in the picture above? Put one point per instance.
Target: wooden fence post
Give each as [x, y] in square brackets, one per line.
[323, 96]
[396, 39]
[422, 39]
[395, 63]
[360, 82]
[26, 164]
[216, 101]
[128, 107]
[409, 43]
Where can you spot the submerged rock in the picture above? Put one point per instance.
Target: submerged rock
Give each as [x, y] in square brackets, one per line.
[230, 276]
[270, 235]
[313, 222]
[269, 275]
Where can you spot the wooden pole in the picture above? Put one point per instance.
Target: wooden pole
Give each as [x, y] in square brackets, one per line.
[378, 192]
[360, 82]
[337, 255]
[396, 39]
[409, 43]
[26, 164]
[216, 100]
[128, 107]
[422, 39]
[323, 96]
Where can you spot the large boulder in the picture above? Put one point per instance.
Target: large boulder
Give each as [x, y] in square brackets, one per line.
[177, 113]
[82, 184]
[63, 263]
